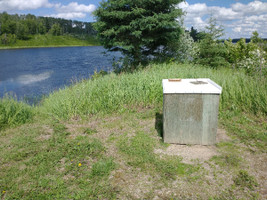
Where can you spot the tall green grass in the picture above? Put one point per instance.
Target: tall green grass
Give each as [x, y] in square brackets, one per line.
[117, 92]
[13, 113]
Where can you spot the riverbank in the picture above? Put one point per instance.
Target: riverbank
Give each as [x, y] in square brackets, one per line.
[102, 139]
[48, 40]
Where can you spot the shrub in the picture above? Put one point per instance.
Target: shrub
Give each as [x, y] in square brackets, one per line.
[212, 53]
[250, 57]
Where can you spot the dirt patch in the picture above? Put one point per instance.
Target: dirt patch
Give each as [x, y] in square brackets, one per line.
[222, 136]
[258, 169]
[190, 153]
[44, 137]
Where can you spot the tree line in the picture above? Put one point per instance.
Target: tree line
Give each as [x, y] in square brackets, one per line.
[21, 27]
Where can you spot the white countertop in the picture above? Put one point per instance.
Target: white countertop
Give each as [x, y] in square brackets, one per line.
[192, 86]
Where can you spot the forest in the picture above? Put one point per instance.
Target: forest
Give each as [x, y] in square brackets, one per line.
[13, 27]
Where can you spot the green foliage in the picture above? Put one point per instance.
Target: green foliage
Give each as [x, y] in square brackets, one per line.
[255, 38]
[139, 29]
[250, 57]
[13, 113]
[213, 30]
[8, 39]
[24, 26]
[197, 36]
[212, 52]
[56, 30]
[22, 31]
[49, 40]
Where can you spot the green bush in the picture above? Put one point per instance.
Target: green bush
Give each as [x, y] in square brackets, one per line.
[13, 113]
[248, 56]
[212, 53]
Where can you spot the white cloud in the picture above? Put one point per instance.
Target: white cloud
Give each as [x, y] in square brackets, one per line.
[70, 11]
[73, 10]
[70, 15]
[12, 5]
[253, 8]
[75, 7]
[239, 20]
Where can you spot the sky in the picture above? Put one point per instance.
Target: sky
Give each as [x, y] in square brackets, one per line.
[238, 17]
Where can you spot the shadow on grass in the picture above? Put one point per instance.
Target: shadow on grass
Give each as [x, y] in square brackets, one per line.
[159, 124]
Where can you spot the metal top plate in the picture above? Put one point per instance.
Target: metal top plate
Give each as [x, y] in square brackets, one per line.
[192, 86]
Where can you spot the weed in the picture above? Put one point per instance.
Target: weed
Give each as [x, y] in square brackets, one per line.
[90, 131]
[243, 179]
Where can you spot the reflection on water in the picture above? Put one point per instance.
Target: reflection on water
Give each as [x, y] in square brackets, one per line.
[37, 72]
[29, 78]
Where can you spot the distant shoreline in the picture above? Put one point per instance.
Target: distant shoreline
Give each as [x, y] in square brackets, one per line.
[49, 46]
[48, 41]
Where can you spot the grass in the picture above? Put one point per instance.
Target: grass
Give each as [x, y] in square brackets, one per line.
[115, 93]
[242, 96]
[243, 179]
[13, 113]
[49, 40]
[97, 140]
[139, 152]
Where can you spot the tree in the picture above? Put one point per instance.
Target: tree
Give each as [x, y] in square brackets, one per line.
[56, 30]
[197, 36]
[211, 51]
[213, 30]
[255, 38]
[139, 29]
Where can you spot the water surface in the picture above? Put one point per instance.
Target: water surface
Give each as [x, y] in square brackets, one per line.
[32, 73]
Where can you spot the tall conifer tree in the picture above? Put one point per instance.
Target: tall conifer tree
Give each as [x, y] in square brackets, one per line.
[139, 29]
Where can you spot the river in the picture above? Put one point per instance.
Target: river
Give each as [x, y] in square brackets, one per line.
[31, 73]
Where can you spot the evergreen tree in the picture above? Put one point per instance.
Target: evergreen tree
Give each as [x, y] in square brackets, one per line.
[212, 52]
[139, 29]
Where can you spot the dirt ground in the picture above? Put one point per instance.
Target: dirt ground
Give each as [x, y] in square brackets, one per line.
[215, 178]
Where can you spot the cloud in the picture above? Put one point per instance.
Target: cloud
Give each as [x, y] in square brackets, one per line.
[253, 8]
[70, 15]
[239, 20]
[70, 11]
[75, 7]
[73, 10]
[13, 5]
